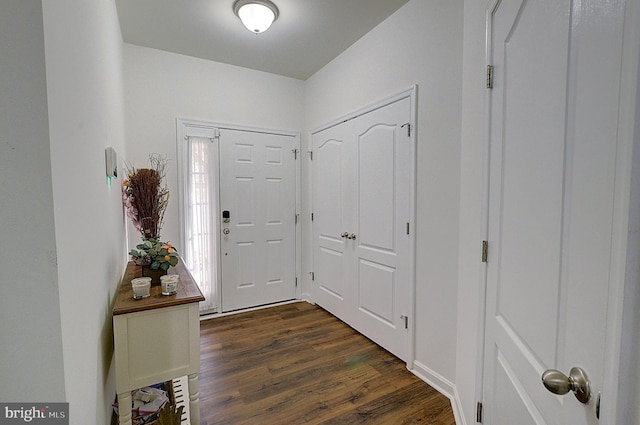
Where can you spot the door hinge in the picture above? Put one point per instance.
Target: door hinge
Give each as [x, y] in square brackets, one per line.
[489, 76]
[313, 276]
[479, 412]
[297, 218]
[485, 251]
[310, 154]
[311, 216]
[407, 228]
[406, 321]
[295, 153]
[408, 125]
[296, 282]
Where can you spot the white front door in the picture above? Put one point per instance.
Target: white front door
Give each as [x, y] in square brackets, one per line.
[361, 203]
[552, 163]
[257, 192]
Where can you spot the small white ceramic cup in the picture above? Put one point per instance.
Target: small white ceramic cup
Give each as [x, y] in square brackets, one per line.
[169, 284]
[141, 287]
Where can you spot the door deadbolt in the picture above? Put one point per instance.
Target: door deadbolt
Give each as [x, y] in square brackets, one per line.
[577, 381]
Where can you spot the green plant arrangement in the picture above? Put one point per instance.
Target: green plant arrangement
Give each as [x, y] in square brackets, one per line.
[155, 254]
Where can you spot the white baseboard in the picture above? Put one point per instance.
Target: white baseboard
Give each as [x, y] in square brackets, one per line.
[245, 310]
[443, 386]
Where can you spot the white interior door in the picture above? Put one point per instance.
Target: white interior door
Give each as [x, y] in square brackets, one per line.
[552, 173]
[257, 188]
[361, 203]
[333, 204]
[381, 239]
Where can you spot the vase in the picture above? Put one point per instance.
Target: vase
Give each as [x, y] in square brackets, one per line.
[154, 274]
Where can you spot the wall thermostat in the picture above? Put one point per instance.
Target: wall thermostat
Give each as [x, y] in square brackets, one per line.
[111, 157]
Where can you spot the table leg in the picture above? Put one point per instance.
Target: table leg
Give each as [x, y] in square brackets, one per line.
[124, 408]
[194, 399]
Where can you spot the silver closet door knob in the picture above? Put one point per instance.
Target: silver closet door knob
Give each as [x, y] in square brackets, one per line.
[559, 383]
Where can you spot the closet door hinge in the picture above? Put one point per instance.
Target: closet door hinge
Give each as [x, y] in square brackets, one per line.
[489, 76]
[407, 228]
[311, 216]
[296, 282]
[408, 125]
[297, 217]
[405, 319]
[295, 153]
[310, 154]
[313, 275]
[479, 412]
[485, 251]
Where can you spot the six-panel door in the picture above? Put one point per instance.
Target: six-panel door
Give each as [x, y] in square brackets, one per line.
[257, 188]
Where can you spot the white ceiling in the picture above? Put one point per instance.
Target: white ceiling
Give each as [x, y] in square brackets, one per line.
[307, 35]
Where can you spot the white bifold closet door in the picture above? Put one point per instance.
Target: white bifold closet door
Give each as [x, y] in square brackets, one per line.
[361, 174]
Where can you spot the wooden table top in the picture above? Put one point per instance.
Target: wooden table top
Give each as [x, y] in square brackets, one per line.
[188, 291]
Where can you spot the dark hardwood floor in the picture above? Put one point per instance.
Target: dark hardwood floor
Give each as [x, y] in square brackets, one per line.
[297, 364]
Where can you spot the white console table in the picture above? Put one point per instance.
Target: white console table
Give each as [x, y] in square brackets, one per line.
[157, 339]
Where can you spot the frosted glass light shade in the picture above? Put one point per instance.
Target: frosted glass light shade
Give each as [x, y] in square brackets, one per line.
[256, 15]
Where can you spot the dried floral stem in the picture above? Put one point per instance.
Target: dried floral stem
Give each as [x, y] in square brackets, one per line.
[148, 196]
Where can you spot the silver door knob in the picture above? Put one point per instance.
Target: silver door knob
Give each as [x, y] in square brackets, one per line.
[577, 381]
[225, 230]
[345, 235]
[351, 236]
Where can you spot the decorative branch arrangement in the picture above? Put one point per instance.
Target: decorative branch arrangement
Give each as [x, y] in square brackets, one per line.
[170, 415]
[145, 196]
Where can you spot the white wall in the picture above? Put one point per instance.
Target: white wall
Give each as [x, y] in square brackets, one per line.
[30, 329]
[420, 44]
[84, 87]
[162, 86]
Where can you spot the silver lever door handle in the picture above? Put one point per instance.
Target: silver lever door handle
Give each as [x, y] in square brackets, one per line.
[577, 381]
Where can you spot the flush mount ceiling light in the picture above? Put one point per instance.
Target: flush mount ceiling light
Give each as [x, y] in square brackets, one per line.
[256, 15]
